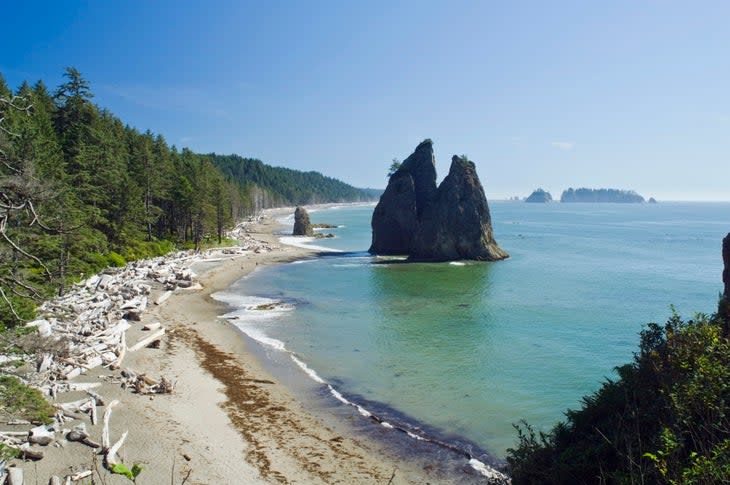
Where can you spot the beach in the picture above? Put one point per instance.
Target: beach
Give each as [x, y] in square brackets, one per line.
[228, 420]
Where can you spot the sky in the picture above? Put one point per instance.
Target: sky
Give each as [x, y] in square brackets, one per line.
[621, 94]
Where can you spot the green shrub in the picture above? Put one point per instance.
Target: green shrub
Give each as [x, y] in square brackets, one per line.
[665, 420]
[21, 401]
[115, 259]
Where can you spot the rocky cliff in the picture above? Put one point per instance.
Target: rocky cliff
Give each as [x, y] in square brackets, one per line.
[726, 261]
[302, 224]
[427, 223]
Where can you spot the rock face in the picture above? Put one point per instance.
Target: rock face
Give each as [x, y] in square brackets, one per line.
[726, 261]
[427, 223]
[539, 196]
[302, 224]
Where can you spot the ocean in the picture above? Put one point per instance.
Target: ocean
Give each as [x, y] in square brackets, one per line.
[459, 352]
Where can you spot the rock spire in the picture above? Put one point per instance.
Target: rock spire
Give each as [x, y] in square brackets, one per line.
[429, 223]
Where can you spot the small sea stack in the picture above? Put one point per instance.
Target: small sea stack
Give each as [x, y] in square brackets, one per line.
[539, 196]
[302, 224]
[416, 218]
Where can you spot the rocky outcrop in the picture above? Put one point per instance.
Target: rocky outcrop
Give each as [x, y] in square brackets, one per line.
[302, 224]
[726, 261]
[427, 223]
[410, 189]
[539, 196]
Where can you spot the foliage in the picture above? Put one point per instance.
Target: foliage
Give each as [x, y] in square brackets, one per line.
[394, 166]
[81, 190]
[600, 195]
[270, 186]
[20, 401]
[666, 419]
[122, 469]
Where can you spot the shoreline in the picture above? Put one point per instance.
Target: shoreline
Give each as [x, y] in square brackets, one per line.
[228, 420]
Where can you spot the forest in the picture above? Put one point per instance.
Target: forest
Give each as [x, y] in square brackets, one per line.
[81, 190]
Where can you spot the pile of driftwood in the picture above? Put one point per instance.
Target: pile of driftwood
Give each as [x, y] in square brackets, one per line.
[86, 329]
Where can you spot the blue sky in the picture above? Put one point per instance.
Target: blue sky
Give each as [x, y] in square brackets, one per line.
[616, 94]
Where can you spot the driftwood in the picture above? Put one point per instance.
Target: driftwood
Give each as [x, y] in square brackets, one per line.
[80, 475]
[147, 340]
[28, 453]
[86, 328]
[54, 480]
[78, 433]
[105, 431]
[41, 435]
[15, 476]
[111, 457]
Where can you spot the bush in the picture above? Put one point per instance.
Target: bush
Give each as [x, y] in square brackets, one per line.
[665, 420]
[23, 402]
[115, 259]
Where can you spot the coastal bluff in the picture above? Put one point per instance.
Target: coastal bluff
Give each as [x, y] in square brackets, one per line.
[416, 218]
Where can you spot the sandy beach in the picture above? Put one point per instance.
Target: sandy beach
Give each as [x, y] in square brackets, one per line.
[228, 420]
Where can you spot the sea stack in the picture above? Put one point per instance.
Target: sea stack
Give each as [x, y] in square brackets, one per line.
[302, 224]
[426, 223]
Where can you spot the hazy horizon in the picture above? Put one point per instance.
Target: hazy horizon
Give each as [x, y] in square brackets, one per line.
[624, 95]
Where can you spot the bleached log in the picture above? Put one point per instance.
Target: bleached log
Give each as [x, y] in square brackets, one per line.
[18, 422]
[105, 431]
[23, 434]
[111, 455]
[75, 372]
[82, 386]
[94, 362]
[15, 476]
[45, 363]
[80, 475]
[152, 326]
[79, 434]
[29, 453]
[122, 353]
[97, 397]
[92, 411]
[163, 298]
[41, 435]
[72, 406]
[147, 340]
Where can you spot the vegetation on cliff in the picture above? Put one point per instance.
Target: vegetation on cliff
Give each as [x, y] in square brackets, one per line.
[666, 419]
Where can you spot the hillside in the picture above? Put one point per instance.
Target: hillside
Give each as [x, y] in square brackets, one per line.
[270, 185]
[81, 190]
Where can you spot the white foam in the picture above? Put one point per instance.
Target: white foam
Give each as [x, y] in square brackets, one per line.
[386, 424]
[457, 263]
[307, 370]
[303, 242]
[262, 338]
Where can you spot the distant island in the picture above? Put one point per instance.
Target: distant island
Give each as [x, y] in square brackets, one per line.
[539, 196]
[600, 195]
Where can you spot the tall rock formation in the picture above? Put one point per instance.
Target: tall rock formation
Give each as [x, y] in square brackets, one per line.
[410, 189]
[427, 223]
[726, 261]
[302, 224]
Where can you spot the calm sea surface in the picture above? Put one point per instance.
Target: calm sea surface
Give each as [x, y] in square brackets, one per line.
[468, 349]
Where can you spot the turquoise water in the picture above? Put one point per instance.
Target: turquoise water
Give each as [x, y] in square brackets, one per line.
[470, 349]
